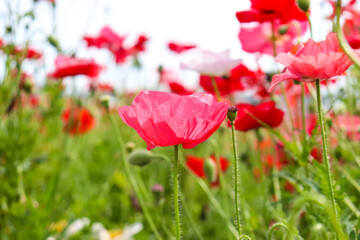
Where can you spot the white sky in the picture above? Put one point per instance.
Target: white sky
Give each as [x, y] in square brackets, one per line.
[211, 24]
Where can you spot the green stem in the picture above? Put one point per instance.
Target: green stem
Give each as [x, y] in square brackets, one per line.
[237, 209]
[216, 89]
[132, 181]
[176, 193]
[325, 157]
[303, 119]
[310, 25]
[274, 226]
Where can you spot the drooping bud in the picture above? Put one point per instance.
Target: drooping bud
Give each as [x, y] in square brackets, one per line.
[140, 157]
[232, 112]
[210, 170]
[54, 42]
[304, 5]
[105, 101]
[130, 146]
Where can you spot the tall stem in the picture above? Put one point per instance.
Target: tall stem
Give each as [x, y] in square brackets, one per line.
[303, 119]
[176, 193]
[326, 159]
[237, 209]
[133, 182]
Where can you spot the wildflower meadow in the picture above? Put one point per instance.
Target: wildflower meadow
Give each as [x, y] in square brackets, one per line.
[99, 142]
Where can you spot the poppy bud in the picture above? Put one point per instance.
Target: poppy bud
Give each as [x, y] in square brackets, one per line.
[27, 85]
[54, 42]
[210, 170]
[232, 112]
[283, 30]
[304, 5]
[140, 157]
[129, 147]
[105, 101]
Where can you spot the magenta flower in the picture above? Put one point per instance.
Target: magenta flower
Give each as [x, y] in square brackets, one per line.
[165, 119]
[313, 61]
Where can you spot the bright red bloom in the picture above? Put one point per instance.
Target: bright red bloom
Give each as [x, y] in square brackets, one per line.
[165, 119]
[248, 116]
[259, 38]
[313, 61]
[196, 165]
[240, 78]
[264, 10]
[28, 53]
[71, 66]
[139, 46]
[77, 120]
[179, 48]
[179, 89]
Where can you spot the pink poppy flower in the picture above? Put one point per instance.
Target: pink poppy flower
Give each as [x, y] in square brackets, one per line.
[71, 66]
[165, 119]
[313, 61]
[259, 38]
[179, 48]
[265, 112]
[264, 10]
[209, 63]
[350, 124]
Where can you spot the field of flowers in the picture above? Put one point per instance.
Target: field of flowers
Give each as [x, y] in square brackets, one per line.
[242, 153]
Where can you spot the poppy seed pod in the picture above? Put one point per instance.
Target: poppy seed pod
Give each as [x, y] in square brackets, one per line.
[232, 112]
[105, 101]
[140, 157]
[304, 5]
[210, 170]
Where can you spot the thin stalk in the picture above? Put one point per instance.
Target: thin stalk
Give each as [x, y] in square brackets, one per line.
[310, 25]
[216, 89]
[176, 193]
[132, 181]
[326, 159]
[303, 120]
[237, 209]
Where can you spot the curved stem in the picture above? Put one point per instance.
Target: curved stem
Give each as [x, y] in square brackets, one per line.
[274, 226]
[176, 193]
[133, 182]
[237, 209]
[325, 157]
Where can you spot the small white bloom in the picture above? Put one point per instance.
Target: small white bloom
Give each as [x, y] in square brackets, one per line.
[76, 226]
[100, 231]
[130, 231]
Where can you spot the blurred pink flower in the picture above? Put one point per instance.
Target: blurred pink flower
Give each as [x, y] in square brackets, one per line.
[259, 38]
[209, 63]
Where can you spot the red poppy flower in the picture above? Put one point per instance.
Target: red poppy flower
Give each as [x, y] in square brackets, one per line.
[265, 112]
[28, 53]
[179, 48]
[313, 61]
[165, 119]
[71, 66]
[179, 89]
[172, 79]
[259, 38]
[351, 29]
[77, 120]
[196, 165]
[264, 10]
[139, 46]
[240, 78]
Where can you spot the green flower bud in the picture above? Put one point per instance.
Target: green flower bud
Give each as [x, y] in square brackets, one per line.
[283, 30]
[105, 101]
[304, 5]
[210, 170]
[130, 146]
[140, 157]
[232, 112]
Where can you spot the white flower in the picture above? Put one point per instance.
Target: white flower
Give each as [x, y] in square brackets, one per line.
[100, 231]
[130, 231]
[209, 63]
[76, 226]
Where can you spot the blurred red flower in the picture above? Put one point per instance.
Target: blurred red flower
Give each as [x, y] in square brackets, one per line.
[259, 38]
[77, 120]
[313, 61]
[139, 46]
[196, 165]
[71, 66]
[179, 48]
[248, 116]
[165, 119]
[171, 78]
[264, 10]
